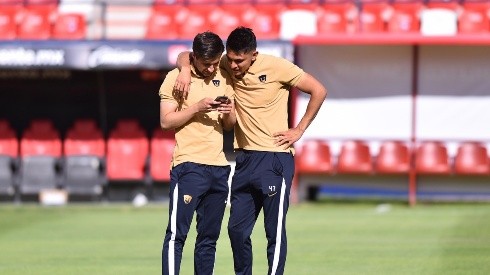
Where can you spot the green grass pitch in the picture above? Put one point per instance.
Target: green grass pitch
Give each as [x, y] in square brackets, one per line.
[324, 238]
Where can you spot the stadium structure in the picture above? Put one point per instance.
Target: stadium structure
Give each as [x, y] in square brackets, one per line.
[406, 115]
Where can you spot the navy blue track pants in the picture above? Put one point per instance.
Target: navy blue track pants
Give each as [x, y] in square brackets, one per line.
[262, 180]
[204, 189]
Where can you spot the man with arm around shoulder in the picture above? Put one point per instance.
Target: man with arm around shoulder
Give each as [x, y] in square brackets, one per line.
[265, 162]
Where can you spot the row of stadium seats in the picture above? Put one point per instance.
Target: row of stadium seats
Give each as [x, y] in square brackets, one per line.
[84, 161]
[394, 157]
[40, 23]
[278, 20]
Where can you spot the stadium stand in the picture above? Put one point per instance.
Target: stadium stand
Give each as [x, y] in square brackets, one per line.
[354, 158]
[472, 159]
[9, 150]
[40, 152]
[161, 149]
[432, 158]
[128, 146]
[84, 155]
[167, 20]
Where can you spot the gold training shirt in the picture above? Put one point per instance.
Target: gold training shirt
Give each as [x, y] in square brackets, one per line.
[200, 140]
[261, 101]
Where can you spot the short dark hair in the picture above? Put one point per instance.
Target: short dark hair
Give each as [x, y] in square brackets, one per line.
[241, 40]
[207, 45]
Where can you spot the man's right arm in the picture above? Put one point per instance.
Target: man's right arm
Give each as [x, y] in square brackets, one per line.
[171, 117]
[183, 81]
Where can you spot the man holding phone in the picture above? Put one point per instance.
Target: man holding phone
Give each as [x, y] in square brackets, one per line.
[199, 170]
[265, 162]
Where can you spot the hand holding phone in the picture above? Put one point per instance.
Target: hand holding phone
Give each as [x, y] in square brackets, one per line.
[222, 99]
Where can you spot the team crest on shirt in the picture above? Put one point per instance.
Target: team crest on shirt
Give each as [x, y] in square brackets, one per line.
[263, 78]
[216, 82]
[187, 199]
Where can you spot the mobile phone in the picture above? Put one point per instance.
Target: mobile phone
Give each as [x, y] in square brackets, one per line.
[222, 99]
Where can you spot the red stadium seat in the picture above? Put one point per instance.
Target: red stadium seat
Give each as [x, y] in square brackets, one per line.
[472, 159]
[162, 148]
[84, 150]
[337, 17]
[40, 149]
[405, 17]
[127, 151]
[393, 158]
[9, 145]
[9, 151]
[234, 2]
[41, 138]
[266, 2]
[203, 2]
[232, 16]
[354, 158]
[314, 158]
[266, 21]
[199, 18]
[432, 158]
[8, 24]
[49, 8]
[372, 16]
[84, 138]
[474, 18]
[69, 26]
[163, 22]
[304, 2]
[35, 25]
